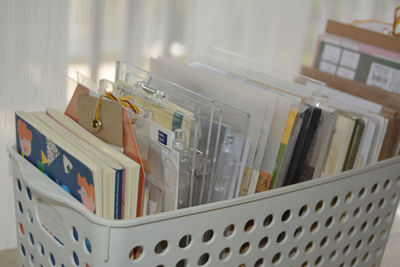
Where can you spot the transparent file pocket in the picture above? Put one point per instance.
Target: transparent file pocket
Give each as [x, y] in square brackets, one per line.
[215, 134]
[343, 220]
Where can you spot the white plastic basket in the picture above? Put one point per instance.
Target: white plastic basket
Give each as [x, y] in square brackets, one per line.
[343, 220]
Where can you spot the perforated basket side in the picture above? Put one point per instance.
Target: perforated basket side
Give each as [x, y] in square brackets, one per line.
[342, 220]
[338, 221]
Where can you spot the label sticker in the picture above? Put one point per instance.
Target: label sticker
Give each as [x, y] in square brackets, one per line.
[161, 135]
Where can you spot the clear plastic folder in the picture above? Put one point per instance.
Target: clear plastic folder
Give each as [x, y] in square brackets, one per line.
[210, 137]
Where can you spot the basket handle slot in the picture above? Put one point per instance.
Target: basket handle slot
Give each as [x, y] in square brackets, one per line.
[52, 223]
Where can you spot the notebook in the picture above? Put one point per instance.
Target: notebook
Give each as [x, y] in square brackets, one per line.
[112, 170]
[66, 165]
[131, 168]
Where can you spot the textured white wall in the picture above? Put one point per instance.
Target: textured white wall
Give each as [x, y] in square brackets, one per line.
[33, 63]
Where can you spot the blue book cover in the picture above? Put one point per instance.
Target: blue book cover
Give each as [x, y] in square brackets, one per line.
[59, 165]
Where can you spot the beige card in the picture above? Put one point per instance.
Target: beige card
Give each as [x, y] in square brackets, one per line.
[110, 115]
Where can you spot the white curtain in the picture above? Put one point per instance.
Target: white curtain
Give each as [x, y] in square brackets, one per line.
[44, 40]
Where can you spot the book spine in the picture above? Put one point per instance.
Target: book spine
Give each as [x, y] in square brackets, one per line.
[285, 140]
[118, 195]
[353, 149]
[312, 128]
[294, 162]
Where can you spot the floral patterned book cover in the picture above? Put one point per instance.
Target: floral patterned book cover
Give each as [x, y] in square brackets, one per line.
[66, 170]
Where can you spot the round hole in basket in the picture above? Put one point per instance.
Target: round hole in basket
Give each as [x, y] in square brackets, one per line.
[203, 259]
[334, 201]
[259, 263]
[242, 265]
[393, 199]
[359, 244]
[303, 210]
[309, 247]
[224, 254]
[161, 247]
[388, 216]
[185, 241]
[319, 206]
[349, 197]
[356, 212]
[346, 250]
[41, 249]
[293, 252]
[29, 193]
[62, 265]
[33, 262]
[318, 261]
[19, 184]
[263, 242]
[207, 236]
[21, 229]
[249, 225]
[364, 226]
[324, 241]
[160, 265]
[87, 265]
[351, 231]
[181, 263]
[75, 258]
[366, 257]
[21, 209]
[75, 234]
[343, 217]
[286, 216]
[136, 253]
[374, 188]
[31, 239]
[276, 258]
[305, 264]
[329, 222]
[381, 203]
[298, 232]
[369, 207]
[362, 192]
[229, 230]
[244, 248]
[338, 236]
[281, 237]
[52, 259]
[88, 245]
[23, 250]
[353, 261]
[268, 220]
[333, 255]
[314, 227]
[371, 239]
[376, 221]
[386, 184]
